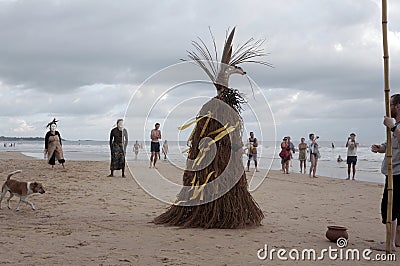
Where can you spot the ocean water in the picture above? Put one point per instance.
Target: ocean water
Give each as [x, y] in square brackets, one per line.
[368, 165]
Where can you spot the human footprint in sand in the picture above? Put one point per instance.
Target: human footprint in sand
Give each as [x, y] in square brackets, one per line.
[393, 124]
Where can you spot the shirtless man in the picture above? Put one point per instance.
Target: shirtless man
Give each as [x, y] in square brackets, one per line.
[155, 136]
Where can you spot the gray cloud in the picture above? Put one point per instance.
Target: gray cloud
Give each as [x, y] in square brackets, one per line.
[82, 60]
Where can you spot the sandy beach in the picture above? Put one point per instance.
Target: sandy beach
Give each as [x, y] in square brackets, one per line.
[87, 218]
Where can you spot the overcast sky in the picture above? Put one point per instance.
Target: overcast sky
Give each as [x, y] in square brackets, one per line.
[83, 61]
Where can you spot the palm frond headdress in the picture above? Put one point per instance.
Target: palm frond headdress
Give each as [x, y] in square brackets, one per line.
[52, 122]
[219, 69]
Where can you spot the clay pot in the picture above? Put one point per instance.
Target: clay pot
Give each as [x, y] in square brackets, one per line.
[334, 232]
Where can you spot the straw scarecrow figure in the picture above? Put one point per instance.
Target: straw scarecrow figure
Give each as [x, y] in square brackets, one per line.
[215, 192]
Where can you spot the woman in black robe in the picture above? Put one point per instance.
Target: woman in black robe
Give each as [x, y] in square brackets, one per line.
[118, 144]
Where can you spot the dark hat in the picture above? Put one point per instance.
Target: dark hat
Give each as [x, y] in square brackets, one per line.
[52, 122]
[352, 134]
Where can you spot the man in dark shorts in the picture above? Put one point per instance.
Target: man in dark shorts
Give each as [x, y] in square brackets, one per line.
[155, 136]
[252, 144]
[393, 124]
[351, 146]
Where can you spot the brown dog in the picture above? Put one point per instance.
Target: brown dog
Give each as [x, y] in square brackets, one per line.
[22, 189]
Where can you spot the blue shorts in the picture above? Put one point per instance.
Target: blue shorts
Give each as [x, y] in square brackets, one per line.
[252, 156]
[155, 147]
[352, 160]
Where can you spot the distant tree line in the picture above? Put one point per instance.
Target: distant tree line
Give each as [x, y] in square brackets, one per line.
[3, 138]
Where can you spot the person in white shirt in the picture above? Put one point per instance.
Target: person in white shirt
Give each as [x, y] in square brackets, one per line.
[351, 146]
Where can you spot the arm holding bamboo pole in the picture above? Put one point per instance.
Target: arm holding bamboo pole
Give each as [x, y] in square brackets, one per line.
[391, 124]
[389, 183]
[391, 169]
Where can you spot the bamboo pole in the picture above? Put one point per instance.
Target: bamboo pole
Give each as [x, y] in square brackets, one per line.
[388, 132]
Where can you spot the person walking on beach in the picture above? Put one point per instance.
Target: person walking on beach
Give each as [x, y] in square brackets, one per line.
[165, 149]
[53, 145]
[118, 143]
[155, 136]
[351, 146]
[302, 155]
[314, 153]
[393, 124]
[136, 147]
[252, 144]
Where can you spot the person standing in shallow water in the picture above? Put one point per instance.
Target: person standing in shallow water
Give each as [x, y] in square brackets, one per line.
[53, 145]
[118, 144]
